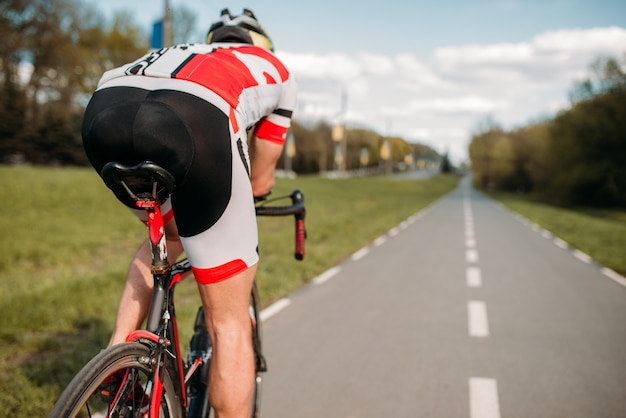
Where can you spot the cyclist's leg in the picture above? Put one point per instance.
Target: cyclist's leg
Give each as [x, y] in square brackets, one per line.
[215, 216]
[232, 370]
[136, 296]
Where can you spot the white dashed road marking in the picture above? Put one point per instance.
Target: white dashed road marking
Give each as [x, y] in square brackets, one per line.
[582, 256]
[478, 324]
[484, 401]
[327, 275]
[471, 256]
[484, 398]
[380, 241]
[614, 276]
[473, 277]
[585, 258]
[274, 308]
[360, 254]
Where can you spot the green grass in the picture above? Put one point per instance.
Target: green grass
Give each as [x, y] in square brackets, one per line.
[600, 233]
[66, 243]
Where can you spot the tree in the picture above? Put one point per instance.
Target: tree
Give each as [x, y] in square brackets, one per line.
[577, 158]
[446, 165]
[606, 75]
[533, 157]
[590, 140]
[12, 117]
[68, 46]
[481, 155]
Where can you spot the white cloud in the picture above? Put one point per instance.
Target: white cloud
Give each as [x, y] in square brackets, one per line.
[376, 64]
[609, 40]
[409, 67]
[440, 101]
[466, 104]
[338, 67]
[483, 54]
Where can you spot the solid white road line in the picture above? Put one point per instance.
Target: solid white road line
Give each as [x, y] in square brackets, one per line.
[478, 324]
[473, 277]
[274, 308]
[484, 401]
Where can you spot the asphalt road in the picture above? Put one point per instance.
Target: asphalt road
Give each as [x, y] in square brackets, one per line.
[462, 311]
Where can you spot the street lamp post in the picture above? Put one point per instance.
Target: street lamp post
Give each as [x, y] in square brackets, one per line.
[385, 155]
[339, 135]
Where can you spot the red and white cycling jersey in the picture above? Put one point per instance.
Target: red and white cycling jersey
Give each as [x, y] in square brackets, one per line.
[254, 86]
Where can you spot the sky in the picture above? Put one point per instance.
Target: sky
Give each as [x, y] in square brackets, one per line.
[431, 72]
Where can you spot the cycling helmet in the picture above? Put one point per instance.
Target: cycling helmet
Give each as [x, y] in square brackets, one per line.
[240, 29]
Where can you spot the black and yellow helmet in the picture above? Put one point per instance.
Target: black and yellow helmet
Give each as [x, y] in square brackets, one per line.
[240, 29]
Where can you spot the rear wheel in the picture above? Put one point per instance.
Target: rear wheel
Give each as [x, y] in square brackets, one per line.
[93, 393]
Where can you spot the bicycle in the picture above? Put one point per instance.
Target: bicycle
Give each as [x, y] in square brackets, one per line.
[146, 376]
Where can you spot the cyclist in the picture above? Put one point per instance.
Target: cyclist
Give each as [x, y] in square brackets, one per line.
[188, 108]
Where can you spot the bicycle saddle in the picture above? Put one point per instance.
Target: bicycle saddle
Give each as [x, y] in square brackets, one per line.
[144, 181]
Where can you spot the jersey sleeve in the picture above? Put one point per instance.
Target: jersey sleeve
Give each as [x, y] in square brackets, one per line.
[274, 127]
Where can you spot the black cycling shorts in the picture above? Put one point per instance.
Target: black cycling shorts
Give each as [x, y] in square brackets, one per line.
[192, 139]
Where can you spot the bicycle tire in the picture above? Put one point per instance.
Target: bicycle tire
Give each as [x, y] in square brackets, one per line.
[82, 398]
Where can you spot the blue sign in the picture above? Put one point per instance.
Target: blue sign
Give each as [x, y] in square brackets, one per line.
[157, 35]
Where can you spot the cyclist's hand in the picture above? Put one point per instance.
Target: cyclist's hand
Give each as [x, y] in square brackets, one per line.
[262, 198]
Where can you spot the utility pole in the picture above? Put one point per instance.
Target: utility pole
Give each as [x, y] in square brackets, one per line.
[167, 26]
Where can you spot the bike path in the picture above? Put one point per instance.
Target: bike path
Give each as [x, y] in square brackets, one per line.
[463, 311]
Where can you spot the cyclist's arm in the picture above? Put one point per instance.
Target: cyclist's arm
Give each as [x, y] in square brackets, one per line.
[264, 156]
[268, 139]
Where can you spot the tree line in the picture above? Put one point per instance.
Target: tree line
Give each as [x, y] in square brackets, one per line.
[316, 150]
[577, 158]
[52, 56]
